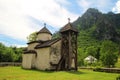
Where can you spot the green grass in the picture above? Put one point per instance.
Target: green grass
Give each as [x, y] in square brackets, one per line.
[17, 73]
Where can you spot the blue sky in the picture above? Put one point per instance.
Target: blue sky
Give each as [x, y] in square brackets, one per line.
[19, 18]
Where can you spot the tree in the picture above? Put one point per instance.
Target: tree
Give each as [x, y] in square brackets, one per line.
[32, 37]
[10, 54]
[81, 56]
[7, 55]
[56, 35]
[2, 48]
[109, 59]
[18, 52]
[108, 53]
[91, 50]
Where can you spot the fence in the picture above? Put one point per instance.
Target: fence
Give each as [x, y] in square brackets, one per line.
[109, 70]
[10, 64]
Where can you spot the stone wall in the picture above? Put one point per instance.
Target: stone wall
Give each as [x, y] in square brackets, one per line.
[55, 53]
[27, 61]
[44, 36]
[43, 58]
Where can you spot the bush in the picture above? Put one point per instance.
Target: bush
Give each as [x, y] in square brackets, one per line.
[97, 69]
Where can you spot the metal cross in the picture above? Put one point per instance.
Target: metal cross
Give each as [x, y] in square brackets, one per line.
[44, 24]
[68, 19]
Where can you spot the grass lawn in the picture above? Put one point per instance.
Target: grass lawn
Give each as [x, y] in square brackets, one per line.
[17, 73]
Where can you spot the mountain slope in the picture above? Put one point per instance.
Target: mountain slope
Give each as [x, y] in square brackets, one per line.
[95, 30]
[101, 26]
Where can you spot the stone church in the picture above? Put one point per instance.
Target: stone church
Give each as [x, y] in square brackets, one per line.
[52, 54]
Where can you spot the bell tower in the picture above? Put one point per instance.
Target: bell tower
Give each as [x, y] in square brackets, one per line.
[68, 59]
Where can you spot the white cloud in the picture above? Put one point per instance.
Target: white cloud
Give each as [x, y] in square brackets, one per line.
[84, 4]
[13, 20]
[63, 2]
[102, 5]
[116, 8]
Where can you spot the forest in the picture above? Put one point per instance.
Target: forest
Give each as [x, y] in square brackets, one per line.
[10, 54]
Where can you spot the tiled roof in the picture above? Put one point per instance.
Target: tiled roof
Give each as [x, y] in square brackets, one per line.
[47, 43]
[44, 30]
[68, 27]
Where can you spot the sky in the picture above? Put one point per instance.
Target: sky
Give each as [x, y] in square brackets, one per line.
[19, 18]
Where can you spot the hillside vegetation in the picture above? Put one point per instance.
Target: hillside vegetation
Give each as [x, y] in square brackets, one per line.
[99, 36]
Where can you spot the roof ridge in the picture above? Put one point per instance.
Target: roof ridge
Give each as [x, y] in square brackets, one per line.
[44, 30]
[67, 27]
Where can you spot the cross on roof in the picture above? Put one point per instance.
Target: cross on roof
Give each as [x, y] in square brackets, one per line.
[44, 24]
[68, 19]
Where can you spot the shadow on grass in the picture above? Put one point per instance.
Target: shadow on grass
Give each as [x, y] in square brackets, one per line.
[75, 72]
[36, 70]
[48, 71]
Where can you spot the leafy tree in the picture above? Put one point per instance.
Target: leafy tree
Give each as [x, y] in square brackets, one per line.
[108, 53]
[91, 50]
[10, 54]
[18, 52]
[32, 37]
[56, 35]
[2, 48]
[7, 55]
[81, 56]
[109, 59]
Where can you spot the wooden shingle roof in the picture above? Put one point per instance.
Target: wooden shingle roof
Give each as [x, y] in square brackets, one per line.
[47, 43]
[44, 30]
[30, 52]
[68, 27]
[38, 41]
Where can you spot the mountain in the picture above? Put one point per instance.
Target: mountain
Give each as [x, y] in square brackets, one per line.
[99, 33]
[95, 27]
[89, 18]
[99, 26]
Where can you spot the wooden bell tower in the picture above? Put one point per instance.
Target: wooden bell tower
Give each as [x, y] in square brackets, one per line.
[68, 59]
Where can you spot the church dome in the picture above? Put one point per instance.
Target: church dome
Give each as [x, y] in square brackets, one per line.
[44, 30]
[44, 34]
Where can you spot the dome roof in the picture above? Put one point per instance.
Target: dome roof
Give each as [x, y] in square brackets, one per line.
[44, 30]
